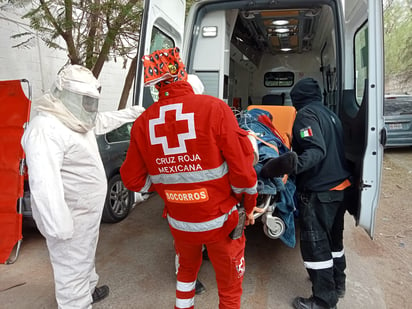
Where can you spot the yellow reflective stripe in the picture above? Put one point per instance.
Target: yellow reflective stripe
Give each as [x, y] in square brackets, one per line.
[199, 226]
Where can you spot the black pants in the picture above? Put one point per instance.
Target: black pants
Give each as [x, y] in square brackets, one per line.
[321, 219]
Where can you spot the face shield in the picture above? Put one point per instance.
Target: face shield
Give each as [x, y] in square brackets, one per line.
[83, 107]
[79, 91]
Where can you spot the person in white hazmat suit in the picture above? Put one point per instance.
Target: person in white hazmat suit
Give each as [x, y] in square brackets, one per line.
[67, 180]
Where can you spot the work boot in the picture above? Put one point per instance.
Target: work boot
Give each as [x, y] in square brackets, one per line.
[199, 288]
[100, 293]
[308, 303]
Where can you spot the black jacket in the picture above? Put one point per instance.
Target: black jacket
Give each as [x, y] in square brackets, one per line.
[317, 139]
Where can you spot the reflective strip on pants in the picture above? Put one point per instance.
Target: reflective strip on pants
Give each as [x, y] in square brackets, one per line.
[185, 303]
[319, 265]
[199, 226]
[339, 254]
[185, 286]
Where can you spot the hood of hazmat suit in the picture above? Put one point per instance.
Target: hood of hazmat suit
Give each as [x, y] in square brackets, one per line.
[74, 98]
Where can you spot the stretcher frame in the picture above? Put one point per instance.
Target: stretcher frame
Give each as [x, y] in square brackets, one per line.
[10, 209]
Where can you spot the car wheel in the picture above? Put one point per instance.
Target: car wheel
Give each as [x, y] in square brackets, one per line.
[119, 201]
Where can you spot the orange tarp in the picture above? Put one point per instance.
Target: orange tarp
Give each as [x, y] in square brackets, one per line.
[14, 113]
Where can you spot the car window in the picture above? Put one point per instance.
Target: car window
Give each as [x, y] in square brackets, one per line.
[120, 134]
[398, 105]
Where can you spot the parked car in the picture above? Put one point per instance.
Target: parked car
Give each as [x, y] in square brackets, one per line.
[398, 120]
[119, 201]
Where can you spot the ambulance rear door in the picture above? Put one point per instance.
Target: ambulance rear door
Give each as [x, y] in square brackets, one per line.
[162, 27]
[361, 107]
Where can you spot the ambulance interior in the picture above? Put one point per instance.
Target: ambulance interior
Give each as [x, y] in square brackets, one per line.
[255, 56]
[252, 58]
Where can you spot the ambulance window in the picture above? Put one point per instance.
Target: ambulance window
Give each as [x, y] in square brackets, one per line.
[279, 79]
[361, 61]
[159, 40]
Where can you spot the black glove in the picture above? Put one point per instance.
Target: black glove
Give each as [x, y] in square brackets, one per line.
[277, 167]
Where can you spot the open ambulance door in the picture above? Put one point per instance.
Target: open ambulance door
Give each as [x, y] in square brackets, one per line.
[162, 27]
[361, 108]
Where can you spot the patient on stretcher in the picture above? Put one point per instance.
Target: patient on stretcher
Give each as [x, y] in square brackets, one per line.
[275, 159]
[275, 162]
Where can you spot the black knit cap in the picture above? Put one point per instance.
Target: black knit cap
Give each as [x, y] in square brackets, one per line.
[305, 91]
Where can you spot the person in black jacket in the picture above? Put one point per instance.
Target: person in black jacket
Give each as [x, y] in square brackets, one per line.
[321, 178]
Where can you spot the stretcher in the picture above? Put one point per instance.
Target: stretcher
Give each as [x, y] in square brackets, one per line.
[14, 114]
[275, 196]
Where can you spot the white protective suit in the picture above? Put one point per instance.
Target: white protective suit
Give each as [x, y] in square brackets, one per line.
[68, 183]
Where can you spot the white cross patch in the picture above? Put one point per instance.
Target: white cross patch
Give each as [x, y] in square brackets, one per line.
[182, 137]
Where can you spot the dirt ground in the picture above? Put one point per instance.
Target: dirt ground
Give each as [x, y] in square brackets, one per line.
[391, 250]
[136, 259]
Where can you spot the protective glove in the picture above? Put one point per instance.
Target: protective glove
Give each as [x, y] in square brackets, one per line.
[136, 110]
[277, 167]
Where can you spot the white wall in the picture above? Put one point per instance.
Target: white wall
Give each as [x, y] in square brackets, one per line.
[303, 65]
[40, 64]
[243, 84]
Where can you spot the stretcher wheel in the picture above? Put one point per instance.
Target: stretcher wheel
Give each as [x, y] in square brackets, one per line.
[274, 227]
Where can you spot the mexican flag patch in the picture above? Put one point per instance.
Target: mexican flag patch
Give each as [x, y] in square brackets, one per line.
[306, 132]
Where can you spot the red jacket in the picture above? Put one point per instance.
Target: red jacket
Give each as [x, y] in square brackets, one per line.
[190, 149]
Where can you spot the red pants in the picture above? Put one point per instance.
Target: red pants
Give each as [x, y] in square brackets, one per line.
[227, 257]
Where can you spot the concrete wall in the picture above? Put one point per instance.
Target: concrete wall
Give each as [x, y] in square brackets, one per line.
[40, 64]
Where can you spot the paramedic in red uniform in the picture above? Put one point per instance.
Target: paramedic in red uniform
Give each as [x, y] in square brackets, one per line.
[190, 150]
[321, 178]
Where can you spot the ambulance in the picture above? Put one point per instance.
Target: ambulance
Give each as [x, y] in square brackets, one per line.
[252, 52]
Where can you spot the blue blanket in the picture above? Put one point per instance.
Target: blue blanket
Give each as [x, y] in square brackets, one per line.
[285, 206]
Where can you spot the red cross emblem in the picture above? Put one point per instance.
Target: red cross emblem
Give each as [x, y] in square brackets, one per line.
[172, 129]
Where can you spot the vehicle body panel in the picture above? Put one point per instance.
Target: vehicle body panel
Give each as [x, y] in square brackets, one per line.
[364, 78]
[398, 120]
[167, 17]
